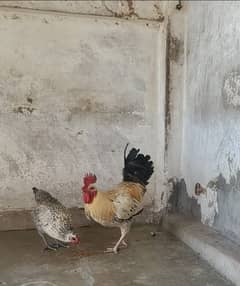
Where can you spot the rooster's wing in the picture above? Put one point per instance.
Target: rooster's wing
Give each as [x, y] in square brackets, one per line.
[128, 200]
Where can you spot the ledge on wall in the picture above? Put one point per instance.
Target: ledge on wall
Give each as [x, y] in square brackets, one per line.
[22, 220]
[221, 253]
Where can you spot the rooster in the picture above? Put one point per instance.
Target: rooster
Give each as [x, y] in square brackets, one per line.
[52, 220]
[117, 206]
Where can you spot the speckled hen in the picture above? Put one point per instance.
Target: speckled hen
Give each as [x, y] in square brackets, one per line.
[117, 206]
[53, 220]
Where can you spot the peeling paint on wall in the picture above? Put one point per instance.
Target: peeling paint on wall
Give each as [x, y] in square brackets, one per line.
[231, 89]
[209, 205]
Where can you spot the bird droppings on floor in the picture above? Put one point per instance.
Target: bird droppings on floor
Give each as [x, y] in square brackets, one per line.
[159, 260]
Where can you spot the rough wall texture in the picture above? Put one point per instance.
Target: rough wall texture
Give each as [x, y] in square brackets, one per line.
[152, 10]
[74, 90]
[211, 111]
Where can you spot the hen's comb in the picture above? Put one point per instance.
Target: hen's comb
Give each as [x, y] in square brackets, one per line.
[89, 178]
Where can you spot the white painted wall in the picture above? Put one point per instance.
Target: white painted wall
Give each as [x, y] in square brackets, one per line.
[211, 111]
[76, 88]
[210, 121]
[73, 91]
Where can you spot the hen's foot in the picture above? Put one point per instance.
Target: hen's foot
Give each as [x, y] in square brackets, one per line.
[51, 247]
[60, 244]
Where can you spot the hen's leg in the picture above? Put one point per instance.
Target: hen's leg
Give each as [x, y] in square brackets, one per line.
[124, 231]
[61, 244]
[48, 245]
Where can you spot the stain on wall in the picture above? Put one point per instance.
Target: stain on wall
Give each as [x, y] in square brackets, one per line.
[176, 48]
[180, 201]
[174, 91]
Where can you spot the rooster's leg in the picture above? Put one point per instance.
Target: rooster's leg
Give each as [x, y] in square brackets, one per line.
[124, 231]
[124, 243]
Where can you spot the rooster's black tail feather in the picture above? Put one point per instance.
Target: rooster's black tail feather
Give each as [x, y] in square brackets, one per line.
[138, 168]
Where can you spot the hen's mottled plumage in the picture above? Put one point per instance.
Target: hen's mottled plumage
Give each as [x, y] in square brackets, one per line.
[117, 207]
[52, 219]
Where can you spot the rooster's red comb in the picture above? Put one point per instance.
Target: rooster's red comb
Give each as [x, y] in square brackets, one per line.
[89, 179]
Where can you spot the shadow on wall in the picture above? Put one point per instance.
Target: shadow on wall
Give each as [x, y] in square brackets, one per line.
[180, 201]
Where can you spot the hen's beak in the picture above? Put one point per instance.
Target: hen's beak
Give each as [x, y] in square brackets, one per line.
[75, 240]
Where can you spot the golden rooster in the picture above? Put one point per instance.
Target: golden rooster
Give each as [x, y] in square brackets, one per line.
[117, 206]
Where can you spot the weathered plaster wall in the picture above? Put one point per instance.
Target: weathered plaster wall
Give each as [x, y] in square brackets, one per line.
[73, 91]
[211, 115]
[152, 10]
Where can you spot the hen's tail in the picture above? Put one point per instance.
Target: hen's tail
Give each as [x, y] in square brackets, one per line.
[138, 168]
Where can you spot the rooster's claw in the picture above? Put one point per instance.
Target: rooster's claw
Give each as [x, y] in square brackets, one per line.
[111, 250]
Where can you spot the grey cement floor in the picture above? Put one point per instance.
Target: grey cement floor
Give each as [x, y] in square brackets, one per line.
[154, 261]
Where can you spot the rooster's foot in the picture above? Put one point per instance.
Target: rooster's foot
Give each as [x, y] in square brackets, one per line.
[111, 250]
[124, 244]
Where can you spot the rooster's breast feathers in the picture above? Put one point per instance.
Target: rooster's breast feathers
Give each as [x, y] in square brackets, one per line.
[119, 204]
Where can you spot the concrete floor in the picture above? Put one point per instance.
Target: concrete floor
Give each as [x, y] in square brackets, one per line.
[160, 260]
